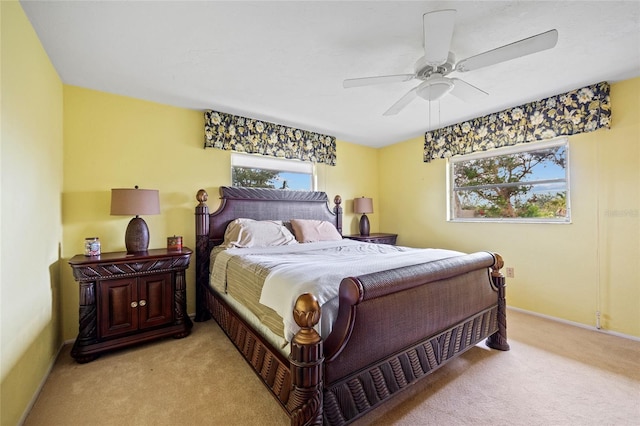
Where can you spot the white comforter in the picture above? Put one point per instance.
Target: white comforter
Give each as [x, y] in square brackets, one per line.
[318, 268]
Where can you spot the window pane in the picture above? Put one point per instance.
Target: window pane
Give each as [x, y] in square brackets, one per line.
[267, 172]
[263, 178]
[519, 185]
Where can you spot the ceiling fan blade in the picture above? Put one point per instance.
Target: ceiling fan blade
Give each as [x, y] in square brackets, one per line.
[368, 81]
[467, 92]
[526, 46]
[402, 102]
[438, 31]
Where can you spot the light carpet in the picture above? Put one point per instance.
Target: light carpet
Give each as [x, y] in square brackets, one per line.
[554, 374]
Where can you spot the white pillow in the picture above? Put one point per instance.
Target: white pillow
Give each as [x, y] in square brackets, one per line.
[310, 231]
[245, 233]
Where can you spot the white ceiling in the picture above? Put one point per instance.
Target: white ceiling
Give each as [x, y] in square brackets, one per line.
[285, 61]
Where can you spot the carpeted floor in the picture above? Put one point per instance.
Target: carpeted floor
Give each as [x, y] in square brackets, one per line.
[555, 374]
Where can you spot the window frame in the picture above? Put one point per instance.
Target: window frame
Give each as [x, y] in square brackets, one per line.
[532, 146]
[257, 161]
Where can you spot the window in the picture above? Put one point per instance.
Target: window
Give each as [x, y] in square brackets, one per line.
[266, 172]
[526, 183]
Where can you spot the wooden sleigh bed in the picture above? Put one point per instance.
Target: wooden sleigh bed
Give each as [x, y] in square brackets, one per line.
[392, 328]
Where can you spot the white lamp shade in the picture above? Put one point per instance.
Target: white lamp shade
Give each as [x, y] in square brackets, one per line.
[363, 205]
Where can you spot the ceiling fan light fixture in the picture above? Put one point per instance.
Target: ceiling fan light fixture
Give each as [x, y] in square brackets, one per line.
[438, 62]
[434, 89]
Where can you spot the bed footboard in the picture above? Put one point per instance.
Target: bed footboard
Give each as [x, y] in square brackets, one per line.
[383, 341]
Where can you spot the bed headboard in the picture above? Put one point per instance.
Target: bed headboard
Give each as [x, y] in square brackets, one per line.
[263, 204]
[258, 204]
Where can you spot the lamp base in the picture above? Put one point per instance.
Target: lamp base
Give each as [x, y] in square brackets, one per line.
[364, 225]
[136, 239]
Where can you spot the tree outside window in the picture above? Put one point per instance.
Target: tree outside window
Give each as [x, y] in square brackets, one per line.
[525, 185]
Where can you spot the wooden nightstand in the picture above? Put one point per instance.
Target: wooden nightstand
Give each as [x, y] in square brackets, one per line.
[377, 238]
[129, 298]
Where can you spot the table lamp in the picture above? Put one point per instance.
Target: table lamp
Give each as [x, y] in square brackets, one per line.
[363, 205]
[128, 201]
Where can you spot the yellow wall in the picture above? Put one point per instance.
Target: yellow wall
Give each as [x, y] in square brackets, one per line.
[30, 228]
[355, 175]
[115, 141]
[565, 271]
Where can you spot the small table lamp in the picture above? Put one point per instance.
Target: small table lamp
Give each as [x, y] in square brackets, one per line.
[127, 201]
[363, 205]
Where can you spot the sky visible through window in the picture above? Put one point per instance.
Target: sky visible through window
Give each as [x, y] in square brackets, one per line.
[294, 181]
[549, 170]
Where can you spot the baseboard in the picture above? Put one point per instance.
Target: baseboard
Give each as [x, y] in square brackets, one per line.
[36, 394]
[575, 324]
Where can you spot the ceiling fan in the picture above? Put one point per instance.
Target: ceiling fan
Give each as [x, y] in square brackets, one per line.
[438, 62]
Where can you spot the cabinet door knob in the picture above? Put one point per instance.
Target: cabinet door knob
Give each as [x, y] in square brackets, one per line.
[134, 304]
[143, 302]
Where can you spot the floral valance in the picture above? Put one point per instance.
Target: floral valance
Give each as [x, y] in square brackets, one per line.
[241, 134]
[579, 111]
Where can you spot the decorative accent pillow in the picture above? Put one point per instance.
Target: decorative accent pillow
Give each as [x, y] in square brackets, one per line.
[245, 233]
[309, 231]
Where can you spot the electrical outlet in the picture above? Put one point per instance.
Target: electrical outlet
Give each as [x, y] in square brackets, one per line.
[510, 273]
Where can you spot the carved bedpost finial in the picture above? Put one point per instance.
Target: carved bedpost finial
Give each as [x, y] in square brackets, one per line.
[306, 314]
[202, 196]
[305, 399]
[497, 265]
[337, 200]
